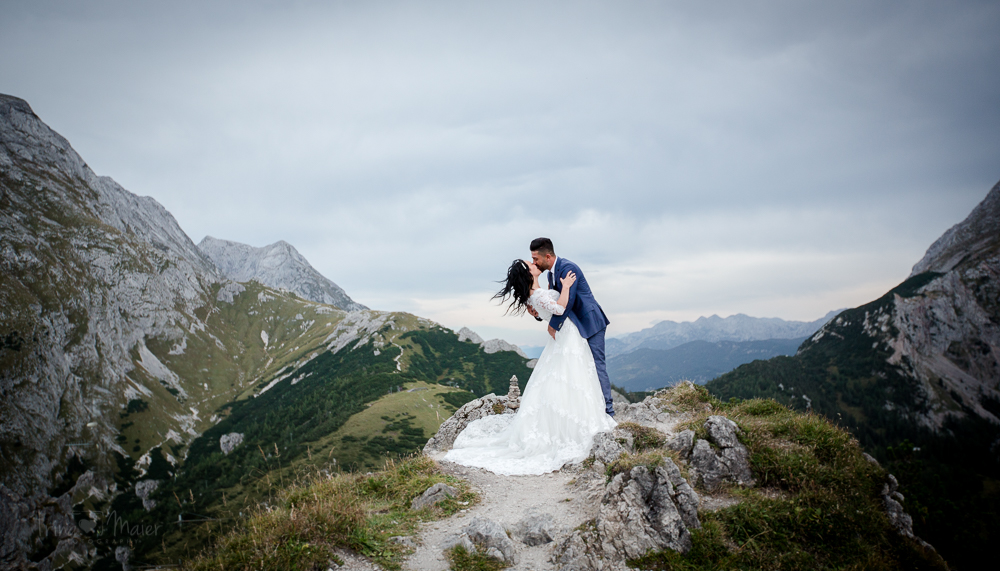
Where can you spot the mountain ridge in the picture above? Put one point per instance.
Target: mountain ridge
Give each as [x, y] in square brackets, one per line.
[739, 327]
[278, 265]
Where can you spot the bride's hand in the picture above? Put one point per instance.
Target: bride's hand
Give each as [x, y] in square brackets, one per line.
[569, 280]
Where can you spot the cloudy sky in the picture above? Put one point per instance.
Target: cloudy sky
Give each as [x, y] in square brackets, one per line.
[779, 159]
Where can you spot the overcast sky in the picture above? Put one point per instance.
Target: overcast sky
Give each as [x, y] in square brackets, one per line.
[779, 159]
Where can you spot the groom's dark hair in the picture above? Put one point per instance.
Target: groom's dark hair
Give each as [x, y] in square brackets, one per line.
[542, 246]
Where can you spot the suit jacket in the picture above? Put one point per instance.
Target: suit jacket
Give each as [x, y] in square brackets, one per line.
[582, 309]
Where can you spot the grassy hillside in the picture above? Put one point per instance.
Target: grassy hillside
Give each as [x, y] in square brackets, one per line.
[816, 504]
[951, 478]
[313, 411]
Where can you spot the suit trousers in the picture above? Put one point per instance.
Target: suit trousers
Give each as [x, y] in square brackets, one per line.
[596, 342]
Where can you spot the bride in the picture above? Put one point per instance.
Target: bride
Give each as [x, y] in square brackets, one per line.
[562, 407]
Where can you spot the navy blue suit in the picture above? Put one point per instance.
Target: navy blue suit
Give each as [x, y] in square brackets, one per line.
[584, 311]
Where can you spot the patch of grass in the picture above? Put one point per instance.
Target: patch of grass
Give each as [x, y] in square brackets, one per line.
[352, 511]
[626, 462]
[644, 437]
[462, 560]
[828, 514]
[687, 396]
[759, 407]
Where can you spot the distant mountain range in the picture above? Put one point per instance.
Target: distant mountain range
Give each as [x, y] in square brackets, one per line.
[739, 327]
[279, 266]
[696, 361]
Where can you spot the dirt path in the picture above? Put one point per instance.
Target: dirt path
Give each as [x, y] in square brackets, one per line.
[571, 496]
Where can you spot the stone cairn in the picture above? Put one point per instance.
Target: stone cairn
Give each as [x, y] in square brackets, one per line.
[513, 394]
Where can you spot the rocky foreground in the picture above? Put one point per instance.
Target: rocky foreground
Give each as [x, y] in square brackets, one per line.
[644, 491]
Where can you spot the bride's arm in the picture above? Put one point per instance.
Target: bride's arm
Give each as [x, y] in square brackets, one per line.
[567, 282]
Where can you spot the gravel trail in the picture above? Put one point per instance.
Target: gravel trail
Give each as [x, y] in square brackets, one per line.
[571, 496]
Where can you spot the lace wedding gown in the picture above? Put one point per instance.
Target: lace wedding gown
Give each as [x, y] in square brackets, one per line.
[561, 410]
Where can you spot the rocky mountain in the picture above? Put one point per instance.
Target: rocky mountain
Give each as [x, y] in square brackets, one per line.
[91, 274]
[280, 266]
[491, 346]
[669, 334]
[122, 345]
[695, 361]
[915, 375]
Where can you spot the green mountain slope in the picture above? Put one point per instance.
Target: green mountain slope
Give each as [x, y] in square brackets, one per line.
[316, 413]
[847, 372]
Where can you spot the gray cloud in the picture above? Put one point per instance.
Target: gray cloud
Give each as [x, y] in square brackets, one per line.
[777, 158]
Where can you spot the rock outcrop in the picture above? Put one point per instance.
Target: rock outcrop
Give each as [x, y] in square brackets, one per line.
[487, 534]
[609, 446]
[433, 495]
[642, 510]
[229, 442]
[730, 464]
[534, 529]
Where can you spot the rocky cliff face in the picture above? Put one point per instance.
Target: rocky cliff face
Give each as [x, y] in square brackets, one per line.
[90, 272]
[279, 266]
[941, 328]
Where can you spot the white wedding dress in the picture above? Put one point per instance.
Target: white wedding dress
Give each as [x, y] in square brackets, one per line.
[561, 410]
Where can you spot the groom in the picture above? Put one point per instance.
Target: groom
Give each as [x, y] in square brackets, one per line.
[582, 309]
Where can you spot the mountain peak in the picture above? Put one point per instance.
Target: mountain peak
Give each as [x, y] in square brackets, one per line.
[966, 241]
[277, 265]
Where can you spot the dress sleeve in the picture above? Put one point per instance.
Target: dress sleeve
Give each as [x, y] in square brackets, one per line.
[545, 300]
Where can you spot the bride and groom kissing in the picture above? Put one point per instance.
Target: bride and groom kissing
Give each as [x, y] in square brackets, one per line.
[567, 400]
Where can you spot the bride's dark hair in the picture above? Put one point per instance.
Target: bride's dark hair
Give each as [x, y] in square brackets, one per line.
[517, 287]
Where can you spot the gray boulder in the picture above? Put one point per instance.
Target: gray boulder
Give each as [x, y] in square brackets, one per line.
[433, 495]
[491, 535]
[730, 464]
[459, 540]
[608, 446]
[534, 529]
[230, 441]
[682, 443]
[646, 413]
[143, 489]
[900, 520]
[710, 472]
